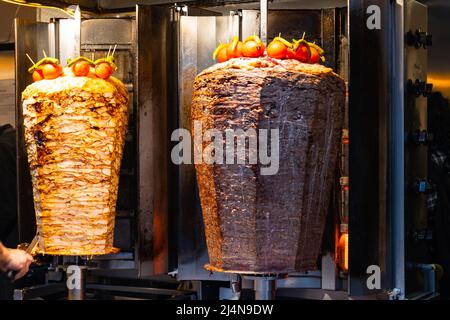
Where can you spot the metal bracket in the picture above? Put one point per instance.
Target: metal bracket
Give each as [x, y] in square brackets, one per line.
[422, 186]
[182, 9]
[419, 137]
[419, 88]
[419, 39]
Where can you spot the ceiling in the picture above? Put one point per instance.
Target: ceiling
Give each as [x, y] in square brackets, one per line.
[123, 5]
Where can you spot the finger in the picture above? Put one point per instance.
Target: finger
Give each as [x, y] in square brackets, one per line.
[21, 273]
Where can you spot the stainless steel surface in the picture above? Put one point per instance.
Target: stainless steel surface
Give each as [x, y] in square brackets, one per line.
[197, 39]
[155, 94]
[107, 32]
[329, 272]
[397, 254]
[311, 279]
[250, 23]
[39, 291]
[265, 288]
[69, 37]
[263, 11]
[144, 290]
[52, 45]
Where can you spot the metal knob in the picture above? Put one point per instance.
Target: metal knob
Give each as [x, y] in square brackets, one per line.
[419, 39]
[419, 88]
[423, 186]
[421, 137]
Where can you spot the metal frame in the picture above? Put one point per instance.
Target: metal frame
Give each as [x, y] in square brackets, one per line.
[155, 99]
[376, 147]
[397, 206]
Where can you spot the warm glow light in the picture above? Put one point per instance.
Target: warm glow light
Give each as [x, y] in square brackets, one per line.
[441, 83]
[343, 251]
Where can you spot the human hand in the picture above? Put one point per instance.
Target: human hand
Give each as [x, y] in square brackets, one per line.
[16, 260]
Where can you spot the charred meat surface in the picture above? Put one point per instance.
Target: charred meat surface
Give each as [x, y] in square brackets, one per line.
[269, 223]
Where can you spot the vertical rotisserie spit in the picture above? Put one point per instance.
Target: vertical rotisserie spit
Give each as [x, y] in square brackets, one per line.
[74, 132]
[269, 223]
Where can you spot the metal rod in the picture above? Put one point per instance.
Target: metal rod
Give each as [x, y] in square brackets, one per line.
[263, 8]
[397, 157]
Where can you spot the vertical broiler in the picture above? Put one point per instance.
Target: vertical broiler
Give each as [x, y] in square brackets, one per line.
[174, 206]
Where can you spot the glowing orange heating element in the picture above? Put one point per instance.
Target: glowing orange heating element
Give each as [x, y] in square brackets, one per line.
[343, 251]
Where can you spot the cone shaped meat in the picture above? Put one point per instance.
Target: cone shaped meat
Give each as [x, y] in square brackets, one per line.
[74, 133]
[269, 223]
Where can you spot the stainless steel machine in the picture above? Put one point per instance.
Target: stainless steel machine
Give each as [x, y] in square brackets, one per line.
[161, 46]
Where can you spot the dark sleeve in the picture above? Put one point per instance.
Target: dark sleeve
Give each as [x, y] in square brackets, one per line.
[8, 204]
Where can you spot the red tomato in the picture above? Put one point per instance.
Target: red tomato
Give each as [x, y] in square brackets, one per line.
[252, 49]
[37, 75]
[315, 57]
[290, 53]
[237, 52]
[51, 71]
[81, 69]
[103, 70]
[276, 49]
[302, 53]
[222, 55]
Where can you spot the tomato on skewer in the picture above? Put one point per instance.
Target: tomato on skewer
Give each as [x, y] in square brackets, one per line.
[103, 70]
[302, 51]
[234, 49]
[80, 66]
[253, 47]
[46, 68]
[316, 53]
[37, 75]
[51, 71]
[278, 48]
[220, 54]
[105, 67]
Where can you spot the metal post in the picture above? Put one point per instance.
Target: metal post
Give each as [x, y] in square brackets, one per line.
[398, 156]
[263, 20]
[264, 288]
[429, 277]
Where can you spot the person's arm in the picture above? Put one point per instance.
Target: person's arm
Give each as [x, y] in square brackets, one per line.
[14, 259]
